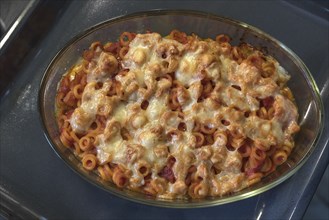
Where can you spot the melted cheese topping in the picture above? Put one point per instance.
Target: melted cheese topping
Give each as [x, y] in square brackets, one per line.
[156, 107]
[120, 113]
[92, 100]
[236, 90]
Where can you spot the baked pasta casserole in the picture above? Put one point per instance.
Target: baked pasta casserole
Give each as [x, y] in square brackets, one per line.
[177, 116]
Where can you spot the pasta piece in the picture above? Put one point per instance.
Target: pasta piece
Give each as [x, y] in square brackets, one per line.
[119, 177]
[198, 190]
[143, 167]
[207, 129]
[86, 142]
[181, 37]
[126, 38]
[89, 161]
[279, 157]
[254, 178]
[66, 138]
[222, 38]
[123, 52]
[200, 139]
[105, 172]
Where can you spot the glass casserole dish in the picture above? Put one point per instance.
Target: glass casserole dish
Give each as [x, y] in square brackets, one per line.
[204, 25]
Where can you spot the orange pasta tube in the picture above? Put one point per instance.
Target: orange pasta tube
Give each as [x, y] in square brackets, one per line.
[123, 52]
[126, 38]
[199, 139]
[86, 142]
[62, 121]
[143, 167]
[158, 185]
[236, 142]
[168, 77]
[190, 172]
[245, 150]
[236, 54]
[207, 129]
[279, 157]
[267, 165]
[174, 104]
[181, 37]
[149, 189]
[268, 69]
[262, 113]
[95, 45]
[70, 99]
[254, 178]
[222, 38]
[77, 91]
[119, 178]
[197, 126]
[89, 161]
[66, 138]
[257, 154]
[182, 126]
[221, 136]
[198, 190]
[105, 172]
[59, 99]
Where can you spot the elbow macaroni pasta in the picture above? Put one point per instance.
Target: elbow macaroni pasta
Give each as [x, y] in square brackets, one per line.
[177, 116]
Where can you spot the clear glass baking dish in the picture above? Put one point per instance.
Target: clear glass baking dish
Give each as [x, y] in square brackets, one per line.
[205, 25]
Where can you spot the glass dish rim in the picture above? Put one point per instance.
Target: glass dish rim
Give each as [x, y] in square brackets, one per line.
[180, 203]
